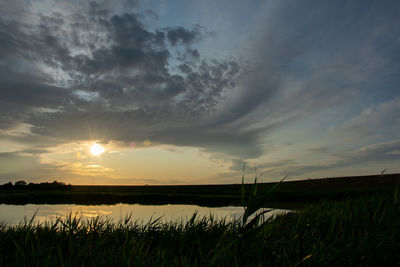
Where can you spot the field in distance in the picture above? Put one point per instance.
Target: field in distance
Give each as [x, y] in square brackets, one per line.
[288, 193]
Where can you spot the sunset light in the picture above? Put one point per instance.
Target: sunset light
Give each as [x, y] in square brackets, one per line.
[208, 132]
[96, 150]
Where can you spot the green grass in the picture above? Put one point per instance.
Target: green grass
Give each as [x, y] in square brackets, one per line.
[361, 231]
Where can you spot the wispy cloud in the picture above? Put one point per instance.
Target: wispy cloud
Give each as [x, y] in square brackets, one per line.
[377, 120]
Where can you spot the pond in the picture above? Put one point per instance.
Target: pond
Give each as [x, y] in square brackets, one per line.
[14, 214]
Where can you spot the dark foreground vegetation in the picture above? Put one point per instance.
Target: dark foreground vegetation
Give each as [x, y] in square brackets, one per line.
[361, 231]
[290, 192]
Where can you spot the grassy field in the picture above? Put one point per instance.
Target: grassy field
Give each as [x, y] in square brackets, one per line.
[289, 194]
[362, 231]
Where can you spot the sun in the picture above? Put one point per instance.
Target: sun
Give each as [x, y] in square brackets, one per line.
[96, 150]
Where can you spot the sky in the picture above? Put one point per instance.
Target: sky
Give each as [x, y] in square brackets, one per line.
[185, 92]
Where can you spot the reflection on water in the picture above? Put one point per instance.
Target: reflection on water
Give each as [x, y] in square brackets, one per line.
[14, 214]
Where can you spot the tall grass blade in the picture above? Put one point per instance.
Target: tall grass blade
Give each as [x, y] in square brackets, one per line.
[257, 201]
[242, 192]
[396, 192]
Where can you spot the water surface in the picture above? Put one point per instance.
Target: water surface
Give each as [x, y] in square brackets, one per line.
[14, 214]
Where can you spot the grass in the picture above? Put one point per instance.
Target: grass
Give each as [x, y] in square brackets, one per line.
[361, 231]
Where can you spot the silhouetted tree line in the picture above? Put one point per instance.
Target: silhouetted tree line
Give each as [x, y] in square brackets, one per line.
[45, 185]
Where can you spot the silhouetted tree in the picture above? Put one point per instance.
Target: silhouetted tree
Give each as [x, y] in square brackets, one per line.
[8, 185]
[20, 183]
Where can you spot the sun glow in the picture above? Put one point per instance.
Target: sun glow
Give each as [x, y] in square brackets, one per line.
[96, 150]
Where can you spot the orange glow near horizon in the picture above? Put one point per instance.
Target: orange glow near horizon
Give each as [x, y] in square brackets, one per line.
[91, 162]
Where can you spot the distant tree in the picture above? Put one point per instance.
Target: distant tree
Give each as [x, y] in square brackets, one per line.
[46, 185]
[20, 183]
[7, 185]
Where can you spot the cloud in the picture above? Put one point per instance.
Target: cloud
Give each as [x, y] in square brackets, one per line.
[377, 120]
[182, 35]
[378, 152]
[108, 74]
[98, 71]
[320, 149]
[311, 56]
[386, 153]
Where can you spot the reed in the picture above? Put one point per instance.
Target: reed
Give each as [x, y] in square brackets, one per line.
[353, 231]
